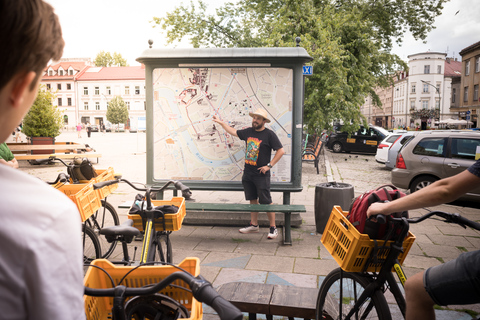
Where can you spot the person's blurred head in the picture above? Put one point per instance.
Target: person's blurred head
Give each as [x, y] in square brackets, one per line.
[30, 36]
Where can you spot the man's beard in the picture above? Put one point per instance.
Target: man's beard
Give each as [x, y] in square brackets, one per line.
[257, 126]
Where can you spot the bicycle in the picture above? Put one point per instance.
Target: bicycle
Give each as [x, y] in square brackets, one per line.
[91, 244]
[356, 289]
[157, 223]
[105, 216]
[151, 292]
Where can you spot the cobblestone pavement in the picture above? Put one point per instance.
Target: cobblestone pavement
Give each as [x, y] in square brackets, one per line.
[227, 255]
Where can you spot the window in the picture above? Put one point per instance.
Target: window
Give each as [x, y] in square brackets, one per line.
[433, 147]
[412, 104]
[477, 64]
[50, 72]
[439, 69]
[475, 92]
[127, 90]
[70, 72]
[59, 102]
[413, 88]
[97, 105]
[454, 93]
[426, 69]
[127, 103]
[85, 106]
[137, 89]
[465, 94]
[463, 148]
[425, 104]
[109, 91]
[437, 104]
[69, 86]
[97, 91]
[467, 67]
[69, 101]
[425, 88]
[49, 86]
[85, 91]
[59, 86]
[60, 72]
[437, 88]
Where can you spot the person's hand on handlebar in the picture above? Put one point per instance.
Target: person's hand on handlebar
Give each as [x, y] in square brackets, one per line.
[377, 208]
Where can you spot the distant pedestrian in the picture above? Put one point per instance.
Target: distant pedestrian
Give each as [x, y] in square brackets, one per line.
[89, 129]
[103, 128]
[79, 130]
[17, 134]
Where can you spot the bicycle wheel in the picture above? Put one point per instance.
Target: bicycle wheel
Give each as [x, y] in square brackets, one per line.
[155, 307]
[163, 252]
[330, 297]
[91, 245]
[106, 216]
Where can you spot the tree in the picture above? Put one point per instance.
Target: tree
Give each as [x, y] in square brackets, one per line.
[117, 111]
[43, 119]
[350, 42]
[105, 59]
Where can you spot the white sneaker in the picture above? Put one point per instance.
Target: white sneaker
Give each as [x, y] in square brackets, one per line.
[273, 233]
[250, 229]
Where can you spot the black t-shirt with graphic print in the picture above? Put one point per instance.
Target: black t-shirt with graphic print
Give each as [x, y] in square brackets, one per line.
[259, 146]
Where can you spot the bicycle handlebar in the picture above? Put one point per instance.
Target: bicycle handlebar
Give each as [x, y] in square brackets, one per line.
[186, 193]
[202, 291]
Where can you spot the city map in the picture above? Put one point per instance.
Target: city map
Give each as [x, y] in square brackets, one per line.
[188, 145]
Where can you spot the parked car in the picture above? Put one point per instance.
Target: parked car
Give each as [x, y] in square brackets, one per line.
[433, 155]
[395, 147]
[382, 150]
[94, 128]
[364, 140]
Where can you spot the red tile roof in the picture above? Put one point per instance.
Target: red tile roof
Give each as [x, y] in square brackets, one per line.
[76, 65]
[453, 68]
[112, 73]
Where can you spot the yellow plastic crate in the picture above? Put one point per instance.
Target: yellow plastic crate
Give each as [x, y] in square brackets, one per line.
[350, 248]
[105, 175]
[100, 308]
[84, 197]
[173, 221]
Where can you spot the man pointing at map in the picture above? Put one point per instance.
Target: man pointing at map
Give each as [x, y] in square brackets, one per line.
[260, 142]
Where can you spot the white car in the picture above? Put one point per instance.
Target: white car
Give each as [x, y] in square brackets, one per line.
[384, 145]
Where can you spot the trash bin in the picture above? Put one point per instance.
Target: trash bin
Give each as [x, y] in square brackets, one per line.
[328, 195]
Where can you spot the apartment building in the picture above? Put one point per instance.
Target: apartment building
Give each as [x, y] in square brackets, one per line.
[60, 79]
[469, 96]
[96, 86]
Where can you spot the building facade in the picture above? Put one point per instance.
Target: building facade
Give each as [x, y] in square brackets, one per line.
[469, 87]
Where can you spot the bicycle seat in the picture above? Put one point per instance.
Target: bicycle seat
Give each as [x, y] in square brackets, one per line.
[124, 229]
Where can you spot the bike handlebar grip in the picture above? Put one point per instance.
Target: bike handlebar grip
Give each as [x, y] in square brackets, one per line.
[186, 193]
[467, 222]
[102, 184]
[225, 309]
[381, 219]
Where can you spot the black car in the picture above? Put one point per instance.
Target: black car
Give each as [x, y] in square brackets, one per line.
[94, 128]
[365, 140]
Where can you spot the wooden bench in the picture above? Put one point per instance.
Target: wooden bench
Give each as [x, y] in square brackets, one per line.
[287, 209]
[312, 153]
[63, 150]
[271, 300]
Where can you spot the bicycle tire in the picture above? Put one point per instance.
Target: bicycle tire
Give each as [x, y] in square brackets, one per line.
[163, 252]
[106, 216]
[91, 246]
[157, 306]
[329, 298]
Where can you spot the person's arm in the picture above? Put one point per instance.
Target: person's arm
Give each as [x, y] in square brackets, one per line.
[226, 127]
[278, 155]
[12, 163]
[441, 191]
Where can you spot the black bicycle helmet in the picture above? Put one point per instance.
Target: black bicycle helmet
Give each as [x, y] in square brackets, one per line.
[157, 306]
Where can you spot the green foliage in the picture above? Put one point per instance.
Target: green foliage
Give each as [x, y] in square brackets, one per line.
[117, 111]
[105, 59]
[350, 42]
[44, 119]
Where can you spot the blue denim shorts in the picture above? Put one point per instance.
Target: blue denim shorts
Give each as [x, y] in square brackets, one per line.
[456, 281]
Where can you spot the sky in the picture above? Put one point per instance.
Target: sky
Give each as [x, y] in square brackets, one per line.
[122, 26]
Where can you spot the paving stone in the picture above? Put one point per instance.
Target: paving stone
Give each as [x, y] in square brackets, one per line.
[421, 262]
[443, 252]
[271, 263]
[292, 279]
[227, 275]
[314, 266]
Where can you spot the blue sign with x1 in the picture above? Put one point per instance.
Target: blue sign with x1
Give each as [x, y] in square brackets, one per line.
[307, 70]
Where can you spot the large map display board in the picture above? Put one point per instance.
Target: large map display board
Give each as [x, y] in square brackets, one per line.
[188, 145]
